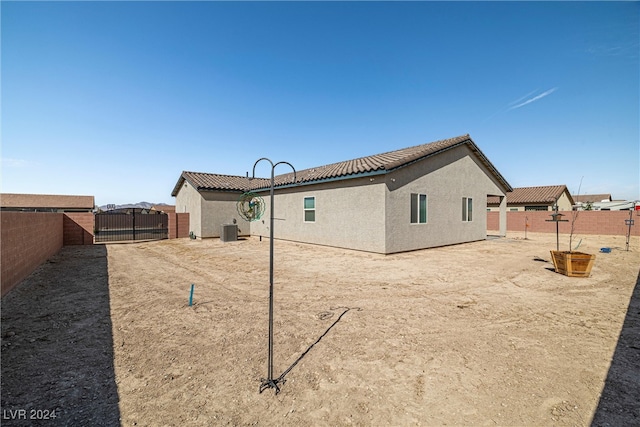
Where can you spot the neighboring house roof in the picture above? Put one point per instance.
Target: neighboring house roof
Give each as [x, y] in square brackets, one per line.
[164, 208]
[46, 201]
[593, 198]
[532, 195]
[378, 163]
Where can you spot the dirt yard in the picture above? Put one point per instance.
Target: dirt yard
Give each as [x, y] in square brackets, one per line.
[475, 334]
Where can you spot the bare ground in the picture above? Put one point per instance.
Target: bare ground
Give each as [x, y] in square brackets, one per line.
[483, 333]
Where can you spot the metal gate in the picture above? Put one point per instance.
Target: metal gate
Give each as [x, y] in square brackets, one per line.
[131, 224]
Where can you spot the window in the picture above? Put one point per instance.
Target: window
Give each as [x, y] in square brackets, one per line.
[536, 208]
[467, 209]
[309, 209]
[418, 208]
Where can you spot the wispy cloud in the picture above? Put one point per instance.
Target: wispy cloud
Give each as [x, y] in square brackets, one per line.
[519, 103]
[615, 40]
[523, 97]
[522, 101]
[8, 162]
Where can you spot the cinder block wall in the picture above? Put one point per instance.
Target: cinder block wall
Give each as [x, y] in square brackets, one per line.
[493, 221]
[78, 228]
[27, 240]
[183, 225]
[178, 225]
[587, 222]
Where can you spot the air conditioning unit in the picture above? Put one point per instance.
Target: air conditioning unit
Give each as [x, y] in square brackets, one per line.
[229, 232]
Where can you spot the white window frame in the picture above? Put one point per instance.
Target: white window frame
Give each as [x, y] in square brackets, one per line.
[305, 209]
[467, 214]
[417, 220]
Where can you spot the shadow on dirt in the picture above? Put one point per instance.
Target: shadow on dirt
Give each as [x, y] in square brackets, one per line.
[57, 344]
[618, 404]
[281, 379]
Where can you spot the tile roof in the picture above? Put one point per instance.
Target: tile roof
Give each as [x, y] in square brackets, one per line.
[213, 181]
[593, 198]
[535, 195]
[46, 201]
[377, 163]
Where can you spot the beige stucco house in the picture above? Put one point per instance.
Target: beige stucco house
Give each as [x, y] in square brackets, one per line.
[542, 198]
[418, 197]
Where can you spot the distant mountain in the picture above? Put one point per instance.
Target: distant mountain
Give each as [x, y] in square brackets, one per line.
[143, 205]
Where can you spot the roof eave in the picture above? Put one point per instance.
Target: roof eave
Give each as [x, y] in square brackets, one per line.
[178, 185]
[325, 180]
[223, 190]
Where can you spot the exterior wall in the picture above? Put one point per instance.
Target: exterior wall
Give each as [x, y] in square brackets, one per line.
[28, 239]
[563, 203]
[78, 228]
[502, 217]
[178, 225]
[218, 208]
[445, 179]
[189, 200]
[349, 214]
[209, 210]
[587, 222]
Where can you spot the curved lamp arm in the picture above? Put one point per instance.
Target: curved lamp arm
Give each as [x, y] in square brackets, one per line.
[253, 174]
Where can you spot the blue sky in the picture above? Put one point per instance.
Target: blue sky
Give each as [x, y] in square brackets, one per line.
[116, 99]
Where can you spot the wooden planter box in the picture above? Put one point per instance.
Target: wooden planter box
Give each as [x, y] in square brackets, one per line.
[573, 264]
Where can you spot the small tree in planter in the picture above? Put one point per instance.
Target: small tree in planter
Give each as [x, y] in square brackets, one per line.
[572, 263]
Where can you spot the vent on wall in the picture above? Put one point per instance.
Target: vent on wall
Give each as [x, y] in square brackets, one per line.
[229, 233]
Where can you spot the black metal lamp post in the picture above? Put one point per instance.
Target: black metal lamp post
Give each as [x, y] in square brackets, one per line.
[271, 382]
